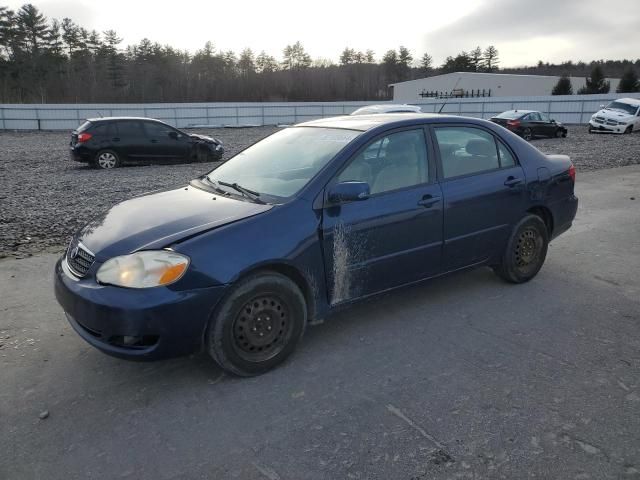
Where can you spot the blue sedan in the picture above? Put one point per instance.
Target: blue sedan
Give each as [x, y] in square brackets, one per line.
[308, 220]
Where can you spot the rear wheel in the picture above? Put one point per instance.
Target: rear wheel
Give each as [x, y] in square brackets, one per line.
[527, 134]
[525, 252]
[258, 325]
[106, 159]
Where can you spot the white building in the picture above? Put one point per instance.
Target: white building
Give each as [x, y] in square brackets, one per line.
[481, 84]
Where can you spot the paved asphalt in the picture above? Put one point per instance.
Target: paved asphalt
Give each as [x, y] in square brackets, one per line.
[465, 377]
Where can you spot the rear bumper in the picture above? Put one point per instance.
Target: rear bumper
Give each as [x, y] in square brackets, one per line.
[564, 212]
[79, 154]
[167, 323]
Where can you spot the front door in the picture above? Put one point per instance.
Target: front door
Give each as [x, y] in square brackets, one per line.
[484, 194]
[164, 142]
[395, 236]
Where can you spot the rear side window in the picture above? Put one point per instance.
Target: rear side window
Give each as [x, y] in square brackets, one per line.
[84, 126]
[130, 128]
[466, 150]
[103, 130]
[506, 157]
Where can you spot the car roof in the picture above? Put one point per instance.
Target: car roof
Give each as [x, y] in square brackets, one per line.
[367, 122]
[387, 108]
[111, 119]
[631, 101]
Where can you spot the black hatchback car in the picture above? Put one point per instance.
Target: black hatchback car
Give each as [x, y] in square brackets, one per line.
[530, 124]
[110, 142]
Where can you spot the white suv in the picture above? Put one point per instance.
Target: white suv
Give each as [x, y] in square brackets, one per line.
[620, 116]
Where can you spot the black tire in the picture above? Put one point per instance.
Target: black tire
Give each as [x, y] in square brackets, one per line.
[560, 133]
[527, 134]
[106, 159]
[629, 129]
[258, 324]
[590, 130]
[525, 252]
[202, 154]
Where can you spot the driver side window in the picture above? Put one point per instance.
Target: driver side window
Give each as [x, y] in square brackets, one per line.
[396, 161]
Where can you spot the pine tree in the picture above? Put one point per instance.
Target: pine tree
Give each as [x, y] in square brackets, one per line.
[426, 63]
[563, 87]
[476, 58]
[629, 82]
[596, 82]
[491, 59]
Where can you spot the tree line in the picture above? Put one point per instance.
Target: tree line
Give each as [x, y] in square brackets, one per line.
[49, 61]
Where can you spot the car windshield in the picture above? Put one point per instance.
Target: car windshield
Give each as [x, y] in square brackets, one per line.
[283, 163]
[510, 115]
[625, 107]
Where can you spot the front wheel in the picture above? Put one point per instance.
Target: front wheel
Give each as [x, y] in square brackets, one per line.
[258, 325]
[527, 134]
[560, 133]
[106, 159]
[629, 129]
[525, 252]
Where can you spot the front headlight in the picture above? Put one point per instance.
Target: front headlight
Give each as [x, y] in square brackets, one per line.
[622, 123]
[146, 269]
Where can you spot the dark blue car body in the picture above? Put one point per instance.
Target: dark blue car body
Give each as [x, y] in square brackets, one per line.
[336, 254]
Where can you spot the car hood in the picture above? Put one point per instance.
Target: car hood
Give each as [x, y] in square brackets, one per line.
[204, 138]
[159, 219]
[613, 115]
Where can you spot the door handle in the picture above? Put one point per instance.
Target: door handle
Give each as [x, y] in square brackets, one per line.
[512, 181]
[428, 201]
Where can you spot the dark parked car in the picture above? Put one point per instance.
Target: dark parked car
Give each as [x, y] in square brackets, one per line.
[530, 124]
[109, 142]
[308, 220]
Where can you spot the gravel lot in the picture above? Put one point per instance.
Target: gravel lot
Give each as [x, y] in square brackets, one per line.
[45, 196]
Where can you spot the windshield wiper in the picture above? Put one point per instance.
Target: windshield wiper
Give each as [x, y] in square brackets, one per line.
[255, 196]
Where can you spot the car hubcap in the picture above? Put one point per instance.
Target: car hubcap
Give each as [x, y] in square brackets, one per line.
[107, 160]
[528, 249]
[527, 134]
[261, 328]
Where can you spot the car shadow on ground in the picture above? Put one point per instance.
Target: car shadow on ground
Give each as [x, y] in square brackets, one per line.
[344, 330]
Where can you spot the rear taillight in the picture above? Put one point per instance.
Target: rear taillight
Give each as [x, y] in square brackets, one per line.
[513, 123]
[84, 137]
[572, 173]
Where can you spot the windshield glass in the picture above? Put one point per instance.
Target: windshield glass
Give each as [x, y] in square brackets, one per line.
[510, 115]
[283, 163]
[625, 107]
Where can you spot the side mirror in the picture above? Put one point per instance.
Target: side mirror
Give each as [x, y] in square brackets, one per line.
[348, 192]
[173, 135]
[602, 106]
[553, 120]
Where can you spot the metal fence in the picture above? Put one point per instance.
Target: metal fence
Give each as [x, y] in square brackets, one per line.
[568, 109]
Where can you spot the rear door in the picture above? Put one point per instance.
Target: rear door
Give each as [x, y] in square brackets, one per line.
[395, 236]
[165, 142]
[131, 139]
[484, 193]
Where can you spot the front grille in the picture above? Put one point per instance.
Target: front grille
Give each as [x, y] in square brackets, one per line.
[611, 122]
[599, 120]
[79, 258]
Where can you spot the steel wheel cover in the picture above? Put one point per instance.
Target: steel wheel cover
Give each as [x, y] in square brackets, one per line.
[262, 328]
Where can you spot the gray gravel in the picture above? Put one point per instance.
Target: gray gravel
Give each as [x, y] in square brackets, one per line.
[45, 196]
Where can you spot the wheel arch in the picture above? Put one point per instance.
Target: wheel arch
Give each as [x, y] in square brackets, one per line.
[545, 214]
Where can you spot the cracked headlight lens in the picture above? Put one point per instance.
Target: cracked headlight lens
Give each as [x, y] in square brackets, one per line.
[152, 268]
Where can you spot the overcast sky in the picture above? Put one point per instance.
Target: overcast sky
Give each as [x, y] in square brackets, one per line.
[523, 31]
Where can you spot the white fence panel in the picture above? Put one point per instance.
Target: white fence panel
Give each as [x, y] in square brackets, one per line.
[566, 108]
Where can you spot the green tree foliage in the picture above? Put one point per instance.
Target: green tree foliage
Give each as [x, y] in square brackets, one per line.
[629, 81]
[295, 57]
[596, 82]
[426, 64]
[563, 87]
